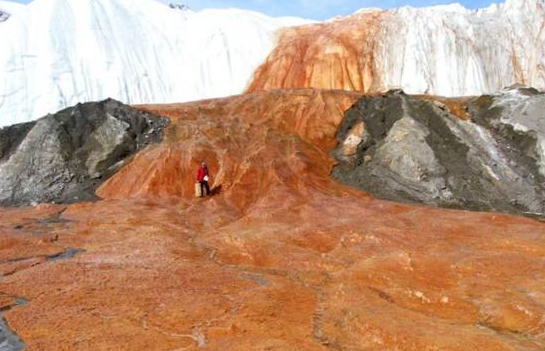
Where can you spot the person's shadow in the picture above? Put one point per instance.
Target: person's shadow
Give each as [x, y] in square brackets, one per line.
[216, 190]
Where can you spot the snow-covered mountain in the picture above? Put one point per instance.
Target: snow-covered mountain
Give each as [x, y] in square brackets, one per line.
[55, 53]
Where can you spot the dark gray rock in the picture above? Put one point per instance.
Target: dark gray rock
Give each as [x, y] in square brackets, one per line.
[4, 16]
[179, 7]
[64, 157]
[9, 341]
[409, 149]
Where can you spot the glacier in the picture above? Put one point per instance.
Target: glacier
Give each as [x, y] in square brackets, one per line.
[56, 53]
[452, 51]
[443, 50]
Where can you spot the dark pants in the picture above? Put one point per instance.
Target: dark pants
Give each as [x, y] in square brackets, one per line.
[204, 186]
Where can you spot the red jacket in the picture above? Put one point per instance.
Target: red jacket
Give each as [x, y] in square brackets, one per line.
[201, 173]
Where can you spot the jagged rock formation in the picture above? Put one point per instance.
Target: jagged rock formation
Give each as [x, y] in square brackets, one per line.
[66, 156]
[442, 50]
[283, 257]
[408, 148]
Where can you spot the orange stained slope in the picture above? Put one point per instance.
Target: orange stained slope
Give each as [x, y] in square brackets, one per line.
[333, 55]
[283, 258]
[250, 142]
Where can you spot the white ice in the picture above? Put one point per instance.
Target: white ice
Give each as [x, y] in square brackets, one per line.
[56, 53]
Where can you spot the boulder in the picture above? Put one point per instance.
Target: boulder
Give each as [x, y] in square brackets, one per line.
[417, 150]
[64, 157]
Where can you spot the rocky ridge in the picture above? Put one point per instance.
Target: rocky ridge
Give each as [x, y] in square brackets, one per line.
[487, 155]
[64, 157]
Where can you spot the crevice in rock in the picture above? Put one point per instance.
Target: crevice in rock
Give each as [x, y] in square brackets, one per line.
[45, 225]
[68, 252]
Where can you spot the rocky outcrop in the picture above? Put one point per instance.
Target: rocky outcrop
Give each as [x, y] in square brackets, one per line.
[9, 341]
[66, 156]
[181, 7]
[409, 148]
[3, 16]
[441, 50]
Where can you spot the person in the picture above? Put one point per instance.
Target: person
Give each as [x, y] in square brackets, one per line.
[202, 179]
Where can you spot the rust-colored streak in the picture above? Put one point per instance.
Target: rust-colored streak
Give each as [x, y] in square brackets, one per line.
[244, 139]
[282, 258]
[332, 55]
[456, 106]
